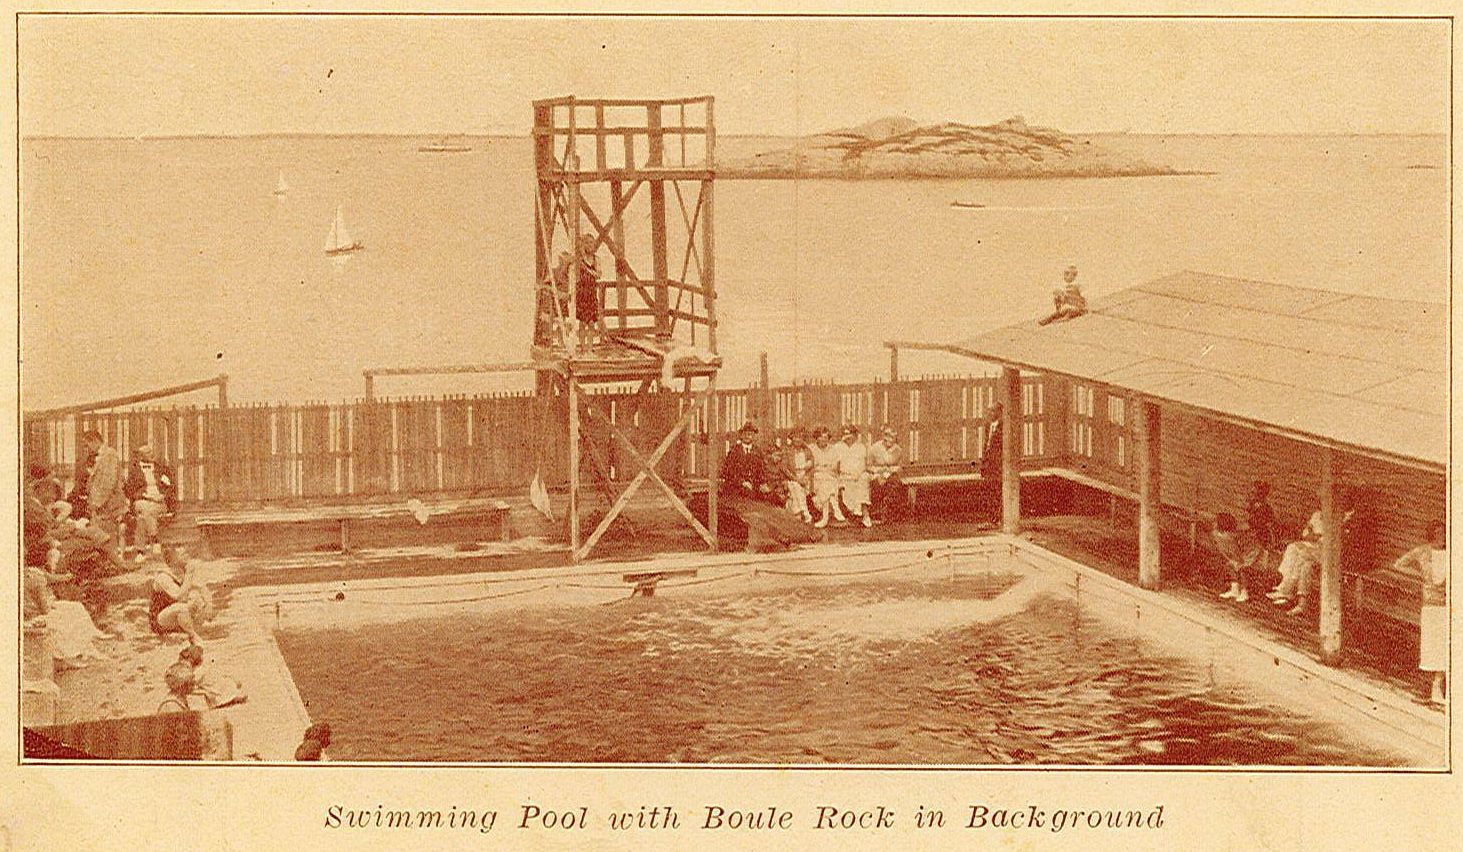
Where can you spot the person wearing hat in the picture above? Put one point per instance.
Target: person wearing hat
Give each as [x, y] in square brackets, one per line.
[886, 458]
[750, 496]
[152, 491]
[1068, 301]
[742, 473]
[853, 475]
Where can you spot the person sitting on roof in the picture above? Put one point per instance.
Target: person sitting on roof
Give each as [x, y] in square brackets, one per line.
[1067, 302]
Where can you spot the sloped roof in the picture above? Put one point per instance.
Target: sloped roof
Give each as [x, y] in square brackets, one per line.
[1330, 367]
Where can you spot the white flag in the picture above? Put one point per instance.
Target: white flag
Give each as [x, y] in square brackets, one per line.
[538, 495]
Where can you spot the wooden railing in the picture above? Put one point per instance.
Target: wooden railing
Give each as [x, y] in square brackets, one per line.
[494, 443]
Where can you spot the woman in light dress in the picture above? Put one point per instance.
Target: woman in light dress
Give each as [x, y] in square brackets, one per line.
[798, 467]
[853, 475]
[1430, 562]
[825, 457]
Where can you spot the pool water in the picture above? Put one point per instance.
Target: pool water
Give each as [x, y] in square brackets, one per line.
[986, 669]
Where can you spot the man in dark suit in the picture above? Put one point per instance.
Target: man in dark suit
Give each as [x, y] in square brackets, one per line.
[990, 466]
[744, 472]
[152, 492]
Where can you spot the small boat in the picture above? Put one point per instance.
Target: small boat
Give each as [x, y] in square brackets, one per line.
[1428, 166]
[281, 188]
[339, 241]
[442, 146]
[966, 205]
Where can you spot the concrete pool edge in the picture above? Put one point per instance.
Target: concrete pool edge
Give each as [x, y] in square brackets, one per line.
[1229, 644]
[1233, 645]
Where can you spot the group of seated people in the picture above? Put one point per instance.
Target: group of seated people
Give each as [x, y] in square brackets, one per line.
[1248, 550]
[72, 543]
[818, 482]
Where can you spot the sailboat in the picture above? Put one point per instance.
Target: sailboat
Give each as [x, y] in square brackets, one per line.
[281, 188]
[339, 241]
[443, 146]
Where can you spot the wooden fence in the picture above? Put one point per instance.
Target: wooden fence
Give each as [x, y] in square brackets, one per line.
[494, 443]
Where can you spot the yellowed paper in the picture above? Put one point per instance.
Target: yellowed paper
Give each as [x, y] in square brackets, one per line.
[399, 304]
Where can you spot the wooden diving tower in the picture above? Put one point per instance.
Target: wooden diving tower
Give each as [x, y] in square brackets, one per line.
[630, 181]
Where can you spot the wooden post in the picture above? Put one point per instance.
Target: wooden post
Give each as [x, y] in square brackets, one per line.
[764, 405]
[713, 455]
[1146, 435]
[893, 363]
[1011, 450]
[223, 390]
[574, 466]
[370, 385]
[1330, 591]
[617, 233]
[708, 232]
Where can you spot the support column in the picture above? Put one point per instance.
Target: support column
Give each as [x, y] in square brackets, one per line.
[1146, 435]
[223, 390]
[713, 456]
[1011, 450]
[1330, 591]
[574, 466]
[893, 363]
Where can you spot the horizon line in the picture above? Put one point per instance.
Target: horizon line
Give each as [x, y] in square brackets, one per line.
[526, 134]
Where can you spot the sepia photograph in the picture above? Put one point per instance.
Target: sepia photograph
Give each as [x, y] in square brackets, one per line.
[704, 391]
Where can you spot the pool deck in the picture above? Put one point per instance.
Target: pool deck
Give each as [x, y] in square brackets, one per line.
[127, 681]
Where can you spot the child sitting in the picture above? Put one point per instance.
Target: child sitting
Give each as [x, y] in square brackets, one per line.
[218, 689]
[1240, 551]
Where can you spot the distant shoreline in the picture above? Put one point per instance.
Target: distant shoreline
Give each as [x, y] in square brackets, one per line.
[525, 135]
[814, 174]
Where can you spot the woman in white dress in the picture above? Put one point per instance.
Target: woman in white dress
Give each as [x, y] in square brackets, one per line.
[1430, 562]
[853, 474]
[825, 476]
[798, 462]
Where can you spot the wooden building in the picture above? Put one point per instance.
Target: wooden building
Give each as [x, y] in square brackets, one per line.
[1183, 391]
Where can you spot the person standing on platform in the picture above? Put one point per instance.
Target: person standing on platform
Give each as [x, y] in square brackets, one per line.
[886, 458]
[1430, 562]
[853, 475]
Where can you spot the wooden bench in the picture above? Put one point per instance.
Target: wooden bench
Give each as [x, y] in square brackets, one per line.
[1386, 591]
[347, 528]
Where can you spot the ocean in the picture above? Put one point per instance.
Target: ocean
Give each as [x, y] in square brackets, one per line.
[156, 261]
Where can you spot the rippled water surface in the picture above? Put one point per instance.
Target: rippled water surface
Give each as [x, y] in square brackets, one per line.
[975, 670]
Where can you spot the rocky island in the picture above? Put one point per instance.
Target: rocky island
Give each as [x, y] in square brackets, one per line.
[900, 147]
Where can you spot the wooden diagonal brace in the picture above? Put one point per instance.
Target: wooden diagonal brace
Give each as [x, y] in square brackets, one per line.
[647, 471]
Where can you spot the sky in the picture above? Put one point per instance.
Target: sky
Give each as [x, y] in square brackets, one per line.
[135, 75]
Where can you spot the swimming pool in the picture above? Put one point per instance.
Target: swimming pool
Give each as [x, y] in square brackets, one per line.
[969, 659]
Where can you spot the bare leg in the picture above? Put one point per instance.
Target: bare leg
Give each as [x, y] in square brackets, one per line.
[177, 619]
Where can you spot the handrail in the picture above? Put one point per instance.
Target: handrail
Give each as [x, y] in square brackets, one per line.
[221, 382]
